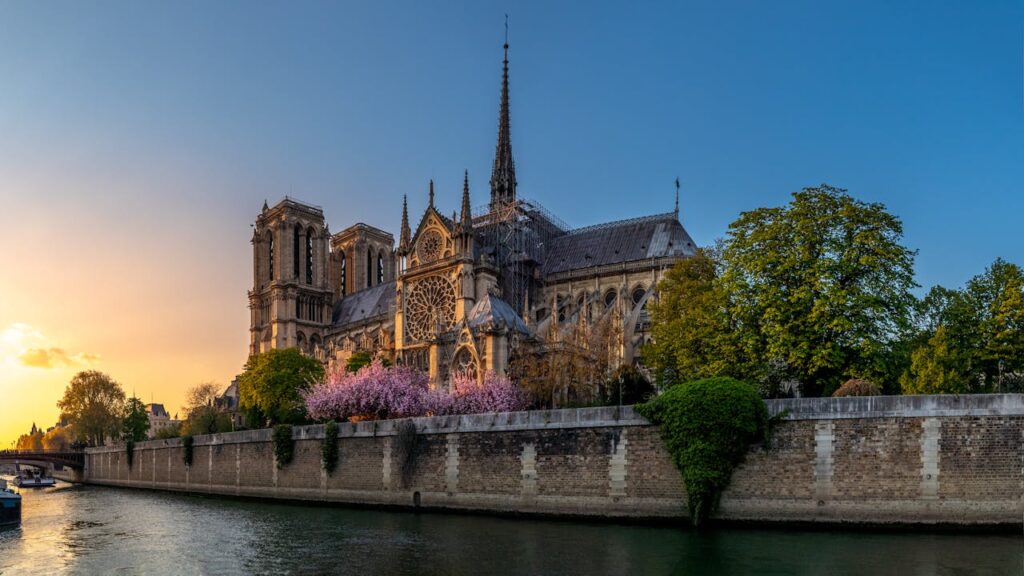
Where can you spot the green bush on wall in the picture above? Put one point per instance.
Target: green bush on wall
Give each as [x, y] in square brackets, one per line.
[186, 443]
[284, 446]
[708, 426]
[329, 449]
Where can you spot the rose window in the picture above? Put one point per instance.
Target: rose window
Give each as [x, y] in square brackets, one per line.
[430, 307]
[429, 247]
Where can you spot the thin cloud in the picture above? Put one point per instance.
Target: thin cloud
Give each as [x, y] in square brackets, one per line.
[22, 344]
[55, 358]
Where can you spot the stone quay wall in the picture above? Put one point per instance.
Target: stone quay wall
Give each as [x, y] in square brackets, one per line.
[956, 460]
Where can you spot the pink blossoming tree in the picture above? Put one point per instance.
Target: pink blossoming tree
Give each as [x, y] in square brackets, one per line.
[376, 392]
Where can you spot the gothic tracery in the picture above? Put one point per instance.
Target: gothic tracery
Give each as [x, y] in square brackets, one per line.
[430, 307]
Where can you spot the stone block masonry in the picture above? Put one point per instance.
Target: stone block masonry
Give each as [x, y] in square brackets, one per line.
[881, 460]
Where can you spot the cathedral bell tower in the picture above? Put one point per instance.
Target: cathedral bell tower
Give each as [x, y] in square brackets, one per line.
[290, 302]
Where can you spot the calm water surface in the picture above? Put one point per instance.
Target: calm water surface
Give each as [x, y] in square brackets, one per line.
[95, 530]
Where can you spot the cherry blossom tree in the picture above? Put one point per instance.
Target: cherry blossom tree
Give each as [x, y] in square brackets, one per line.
[377, 392]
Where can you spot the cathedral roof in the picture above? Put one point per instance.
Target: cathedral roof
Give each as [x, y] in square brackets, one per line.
[657, 236]
[492, 312]
[364, 305]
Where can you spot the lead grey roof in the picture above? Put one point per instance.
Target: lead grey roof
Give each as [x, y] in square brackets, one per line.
[492, 313]
[364, 305]
[657, 236]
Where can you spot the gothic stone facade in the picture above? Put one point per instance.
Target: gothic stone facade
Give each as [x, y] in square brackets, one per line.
[461, 292]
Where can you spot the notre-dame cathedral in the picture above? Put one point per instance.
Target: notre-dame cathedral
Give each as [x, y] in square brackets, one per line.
[463, 292]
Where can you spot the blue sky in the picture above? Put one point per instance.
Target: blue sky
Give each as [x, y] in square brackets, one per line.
[914, 104]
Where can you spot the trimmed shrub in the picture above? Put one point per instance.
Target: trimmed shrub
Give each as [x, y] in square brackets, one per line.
[329, 449]
[708, 425]
[186, 444]
[284, 446]
[855, 387]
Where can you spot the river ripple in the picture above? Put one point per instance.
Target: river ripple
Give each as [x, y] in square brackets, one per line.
[96, 530]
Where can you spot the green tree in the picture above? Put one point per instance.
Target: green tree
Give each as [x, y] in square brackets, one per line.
[93, 404]
[269, 388]
[135, 421]
[822, 284]
[357, 360]
[167, 432]
[693, 335]
[202, 416]
[997, 299]
[935, 369]
[982, 328]
[814, 292]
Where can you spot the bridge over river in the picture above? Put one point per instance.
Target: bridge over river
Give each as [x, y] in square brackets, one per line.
[63, 464]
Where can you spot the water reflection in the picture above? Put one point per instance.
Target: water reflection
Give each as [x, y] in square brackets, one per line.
[92, 530]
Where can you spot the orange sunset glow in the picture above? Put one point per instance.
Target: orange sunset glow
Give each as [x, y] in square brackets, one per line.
[81, 289]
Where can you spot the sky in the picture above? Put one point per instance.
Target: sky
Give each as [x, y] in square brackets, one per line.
[138, 141]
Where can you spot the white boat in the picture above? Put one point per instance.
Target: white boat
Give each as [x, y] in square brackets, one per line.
[10, 505]
[33, 478]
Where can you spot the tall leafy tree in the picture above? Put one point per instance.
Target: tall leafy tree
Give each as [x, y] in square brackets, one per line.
[269, 388]
[935, 369]
[813, 292]
[976, 332]
[93, 404]
[135, 422]
[822, 284]
[693, 334]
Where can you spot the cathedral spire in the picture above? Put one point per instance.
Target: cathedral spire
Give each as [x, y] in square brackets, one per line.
[503, 175]
[467, 215]
[430, 201]
[406, 234]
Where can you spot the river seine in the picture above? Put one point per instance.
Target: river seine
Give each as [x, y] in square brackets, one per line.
[95, 530]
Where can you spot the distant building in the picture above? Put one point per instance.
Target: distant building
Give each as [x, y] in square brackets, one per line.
[159, 419]
[228, 402]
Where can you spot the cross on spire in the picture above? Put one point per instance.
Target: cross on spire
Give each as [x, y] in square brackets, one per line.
[676, 211]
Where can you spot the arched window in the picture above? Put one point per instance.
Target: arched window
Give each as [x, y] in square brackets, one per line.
[369, 267]
[344, 273]
[638, 294]
[465, 363]
[295, 251]
[380, 268]
[609, 298]
[309, 256]
[270, 253]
